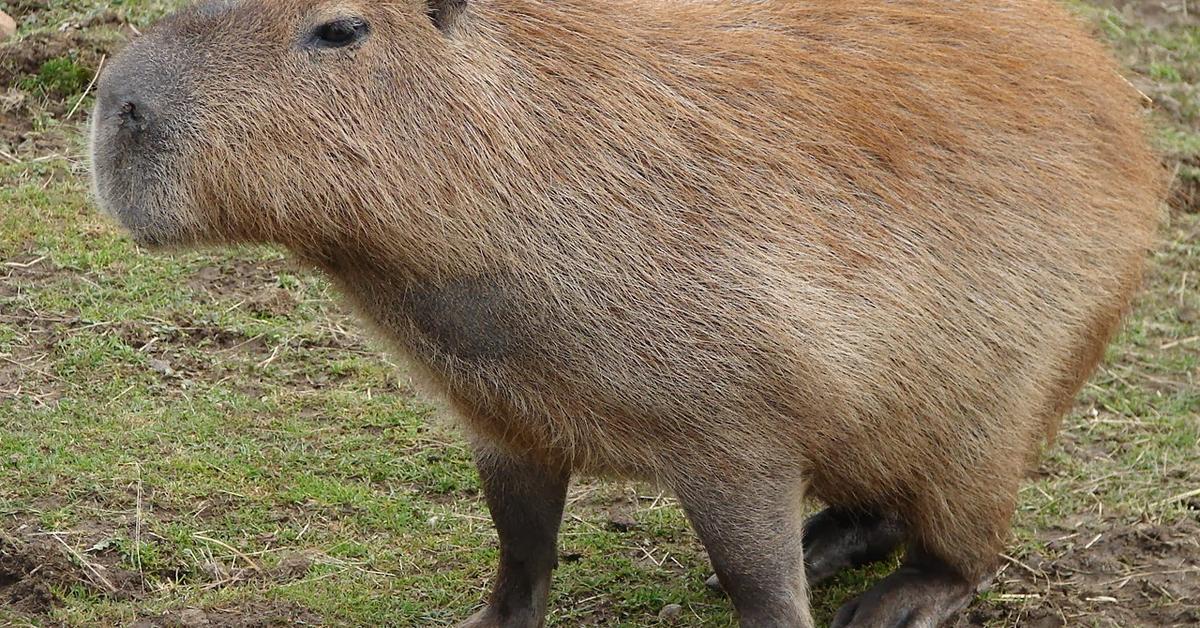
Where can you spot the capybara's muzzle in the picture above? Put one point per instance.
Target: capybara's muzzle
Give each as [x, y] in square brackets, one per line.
[141, 131]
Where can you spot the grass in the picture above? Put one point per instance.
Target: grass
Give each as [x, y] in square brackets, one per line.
[60, 76]
[211, 431]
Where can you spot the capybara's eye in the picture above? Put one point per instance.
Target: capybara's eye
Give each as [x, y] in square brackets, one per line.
[340, 33]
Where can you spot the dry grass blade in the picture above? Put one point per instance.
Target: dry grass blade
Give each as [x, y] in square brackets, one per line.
[253, 564]
[88, 90]
[92, 570]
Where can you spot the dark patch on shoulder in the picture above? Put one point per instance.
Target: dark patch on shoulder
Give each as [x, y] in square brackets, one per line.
[471, 319]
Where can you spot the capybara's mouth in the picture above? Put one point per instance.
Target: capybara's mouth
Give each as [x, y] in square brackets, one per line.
[125, 195]
[133, 220]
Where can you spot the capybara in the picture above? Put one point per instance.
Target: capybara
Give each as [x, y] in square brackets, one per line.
[862, 251]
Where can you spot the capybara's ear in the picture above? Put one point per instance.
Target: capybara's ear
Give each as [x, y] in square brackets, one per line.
[445, 13]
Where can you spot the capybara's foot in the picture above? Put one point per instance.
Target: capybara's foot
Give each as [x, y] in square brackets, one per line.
[490, 618]
[917, 595]
[837, 539]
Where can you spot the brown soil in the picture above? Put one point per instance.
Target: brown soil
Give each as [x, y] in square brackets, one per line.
[1102, 574]
[249, 615]
[38, 333]
[248, 281]
[25, 57]
[1185, 193]
[34, 565]
[1164, 14]
[1156, 13]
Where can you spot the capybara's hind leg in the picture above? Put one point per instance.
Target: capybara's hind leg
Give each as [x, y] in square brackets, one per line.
[836, 539]
[957, 531]
[752, 530]
[526, 502]
[923, 593]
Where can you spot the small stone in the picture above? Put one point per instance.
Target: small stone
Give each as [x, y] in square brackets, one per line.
[714, 584]
[670, 613]
[214, 571]
[8, 26]
[193, 618]
[294, 566]
[621, 520]
[162, 368]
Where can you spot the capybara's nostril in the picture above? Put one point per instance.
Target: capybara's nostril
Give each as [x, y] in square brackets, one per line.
[133, 113]
[130, 111]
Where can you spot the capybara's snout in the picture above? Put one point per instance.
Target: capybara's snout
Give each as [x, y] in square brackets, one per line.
[141, 130]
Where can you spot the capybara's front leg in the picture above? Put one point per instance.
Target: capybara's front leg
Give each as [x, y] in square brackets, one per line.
[837, 539]
[752, 529]
[525, 497]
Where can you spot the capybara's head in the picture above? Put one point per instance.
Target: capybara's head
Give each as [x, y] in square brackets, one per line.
[275, 120]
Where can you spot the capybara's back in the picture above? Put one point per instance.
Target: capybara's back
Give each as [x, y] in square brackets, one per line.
[863, 249]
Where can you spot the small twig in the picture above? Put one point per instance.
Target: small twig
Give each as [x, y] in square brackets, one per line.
[324, 576]
[91, 569]
[1018, 597]
[1146, 100]
[1124, 580]
[1035, 573]
[82, 97]
[122, 394]
[25, 265]
[274, 354]
[649, 556]
[235, 578]
[329, 560]
[242, 344]
[1178, 498]
[249, 561]
[41, 372]
[1183, 341]
[137, 525]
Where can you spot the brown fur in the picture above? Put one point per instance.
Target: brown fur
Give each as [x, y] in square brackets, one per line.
[870, 247]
